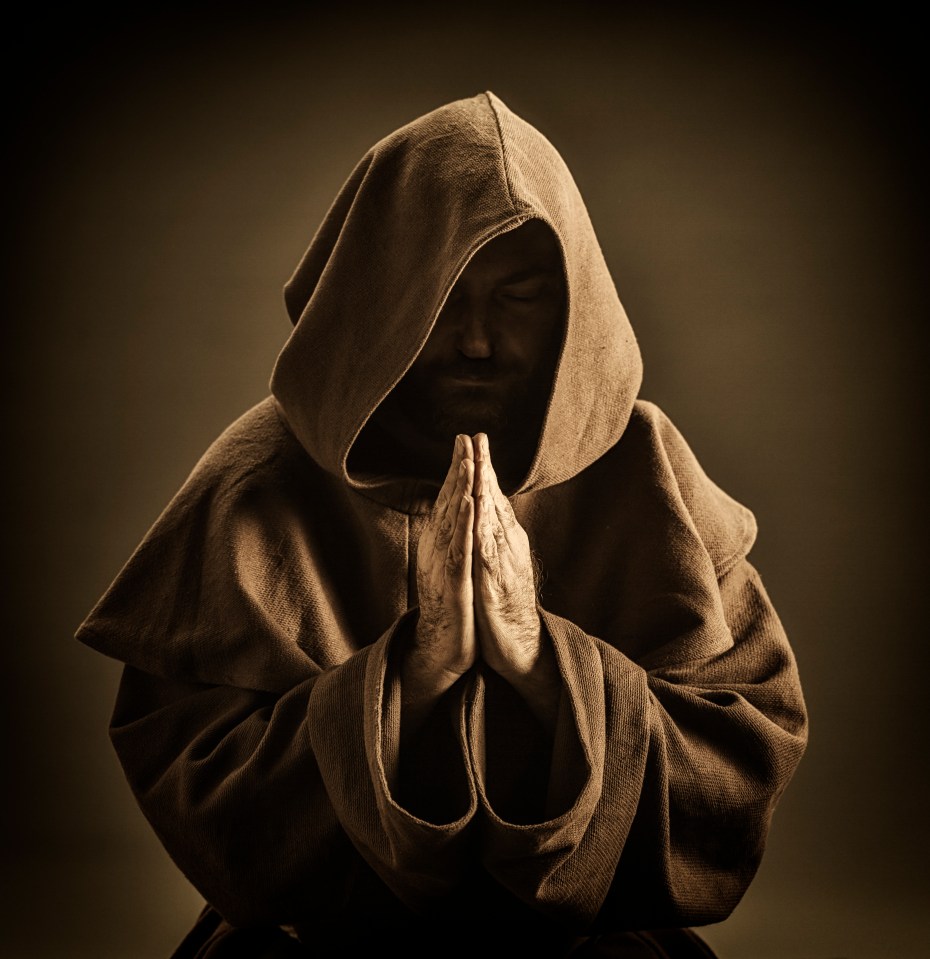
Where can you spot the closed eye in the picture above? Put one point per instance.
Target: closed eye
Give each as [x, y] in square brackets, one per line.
[526, 290]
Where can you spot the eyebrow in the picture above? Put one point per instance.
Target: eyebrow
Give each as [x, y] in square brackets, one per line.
[529, 274]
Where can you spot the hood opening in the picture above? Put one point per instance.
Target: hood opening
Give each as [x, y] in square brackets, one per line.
[502, 321]
[417, 211]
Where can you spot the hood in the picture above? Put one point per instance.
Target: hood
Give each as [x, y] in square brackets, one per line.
[367, 292]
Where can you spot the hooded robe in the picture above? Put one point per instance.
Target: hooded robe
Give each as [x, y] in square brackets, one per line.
[258, 715]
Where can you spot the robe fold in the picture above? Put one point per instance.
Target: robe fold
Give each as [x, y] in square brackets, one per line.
[259, 620]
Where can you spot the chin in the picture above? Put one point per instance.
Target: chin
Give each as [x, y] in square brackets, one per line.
[479, 418]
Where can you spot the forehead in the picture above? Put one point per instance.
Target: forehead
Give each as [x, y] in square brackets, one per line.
[529, 247]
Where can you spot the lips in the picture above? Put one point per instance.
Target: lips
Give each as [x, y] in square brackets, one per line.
[476, 373]
[471, 379]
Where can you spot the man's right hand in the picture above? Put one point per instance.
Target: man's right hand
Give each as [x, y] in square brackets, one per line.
[444, 646]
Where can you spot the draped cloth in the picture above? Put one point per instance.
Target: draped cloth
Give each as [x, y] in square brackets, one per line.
[260, 619]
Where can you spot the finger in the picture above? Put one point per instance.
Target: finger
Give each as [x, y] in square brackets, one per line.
[487, 527]
[508, 534]
[459, 557]
[481, 446]
[499, 532]
[482, 468]
[479, 477]
[448, 486]
[445, 514]
[491, 487]
[463, 487]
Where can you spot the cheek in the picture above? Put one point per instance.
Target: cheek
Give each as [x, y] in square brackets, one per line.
[535, 342]
[437, 347]
[423, 365]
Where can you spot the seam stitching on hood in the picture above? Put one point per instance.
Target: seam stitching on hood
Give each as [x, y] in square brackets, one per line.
[500, 137]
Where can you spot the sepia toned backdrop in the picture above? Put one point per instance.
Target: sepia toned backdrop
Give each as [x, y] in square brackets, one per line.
[757, 186]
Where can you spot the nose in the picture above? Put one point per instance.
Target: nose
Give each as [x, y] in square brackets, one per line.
[474, 339]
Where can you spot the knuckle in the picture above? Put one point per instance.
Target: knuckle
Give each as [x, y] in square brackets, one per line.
[487, 550]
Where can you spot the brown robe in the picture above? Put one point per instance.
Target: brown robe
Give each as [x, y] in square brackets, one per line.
[258, 717]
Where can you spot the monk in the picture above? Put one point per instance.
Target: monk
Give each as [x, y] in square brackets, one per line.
[450, 644]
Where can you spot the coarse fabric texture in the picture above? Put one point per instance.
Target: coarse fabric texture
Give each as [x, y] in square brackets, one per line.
[260, 618]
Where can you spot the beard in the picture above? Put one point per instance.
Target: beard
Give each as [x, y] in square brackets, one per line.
[412, 430]
[466, 414]
[496, 404]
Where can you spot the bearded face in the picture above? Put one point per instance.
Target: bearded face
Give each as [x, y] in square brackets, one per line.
[489, 361]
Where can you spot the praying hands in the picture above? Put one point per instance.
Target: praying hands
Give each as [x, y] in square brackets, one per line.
[477, 594]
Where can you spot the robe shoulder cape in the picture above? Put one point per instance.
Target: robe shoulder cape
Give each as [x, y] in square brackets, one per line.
[258, 718]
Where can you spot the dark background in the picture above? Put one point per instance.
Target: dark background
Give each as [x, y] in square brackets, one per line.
[757, 185]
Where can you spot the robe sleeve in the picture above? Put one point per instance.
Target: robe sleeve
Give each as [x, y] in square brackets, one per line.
[280, 806]
[664, 777]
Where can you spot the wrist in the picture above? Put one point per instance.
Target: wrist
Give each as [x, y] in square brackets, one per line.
[426, 669]
[536, 679]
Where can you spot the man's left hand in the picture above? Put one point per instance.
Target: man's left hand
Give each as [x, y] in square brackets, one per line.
[513, 642]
